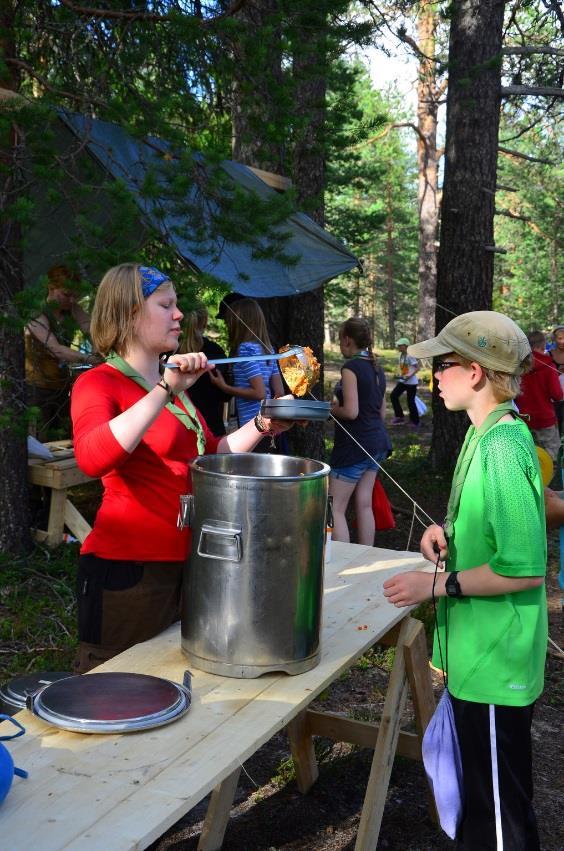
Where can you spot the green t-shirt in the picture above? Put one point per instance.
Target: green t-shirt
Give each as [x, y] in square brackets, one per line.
[497, 645]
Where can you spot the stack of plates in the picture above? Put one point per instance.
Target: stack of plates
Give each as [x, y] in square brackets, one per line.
[295, 409]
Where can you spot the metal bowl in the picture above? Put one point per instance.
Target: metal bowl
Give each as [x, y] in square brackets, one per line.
[295, 409]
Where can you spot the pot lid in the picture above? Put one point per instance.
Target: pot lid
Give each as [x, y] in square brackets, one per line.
[15, 692]
[112, 702]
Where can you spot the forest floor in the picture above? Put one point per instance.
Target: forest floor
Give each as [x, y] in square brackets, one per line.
[37, 632]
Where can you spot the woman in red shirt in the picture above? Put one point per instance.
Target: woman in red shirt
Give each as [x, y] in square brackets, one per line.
[138, 430]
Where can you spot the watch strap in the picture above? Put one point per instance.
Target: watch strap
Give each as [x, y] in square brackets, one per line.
[452, 585]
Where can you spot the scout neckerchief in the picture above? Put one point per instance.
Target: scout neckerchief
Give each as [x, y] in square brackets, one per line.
[473, 436]
[190, 419]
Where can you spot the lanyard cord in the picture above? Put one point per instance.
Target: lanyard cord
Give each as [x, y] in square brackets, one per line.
[444, 664]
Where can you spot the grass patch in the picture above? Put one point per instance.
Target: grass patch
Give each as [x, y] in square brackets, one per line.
[38, 611]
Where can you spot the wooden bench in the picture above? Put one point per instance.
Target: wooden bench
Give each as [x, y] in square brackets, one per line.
[121, 792]
[59, 474]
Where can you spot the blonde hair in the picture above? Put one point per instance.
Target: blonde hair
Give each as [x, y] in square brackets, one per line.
[246, 323]
[118, 302]
[505, 385]
[193, 331]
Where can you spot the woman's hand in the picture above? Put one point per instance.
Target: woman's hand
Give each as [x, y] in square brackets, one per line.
[190, 367]
[276, 427]
[434, 543]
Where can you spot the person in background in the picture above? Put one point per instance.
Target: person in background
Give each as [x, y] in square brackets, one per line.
[253, 381]
[359, 402]
[49, 351]
[224, 308]
[492, 613]
[207, 398]
[556, 355]
[540, 389]
[407, 382]
[135, 427]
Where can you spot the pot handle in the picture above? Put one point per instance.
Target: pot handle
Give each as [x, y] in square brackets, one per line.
[222, 543]
[186, 512]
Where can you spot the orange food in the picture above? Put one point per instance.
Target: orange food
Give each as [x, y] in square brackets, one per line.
[298, 376]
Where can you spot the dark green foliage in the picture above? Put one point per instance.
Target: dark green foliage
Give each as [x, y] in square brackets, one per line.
[371, 201]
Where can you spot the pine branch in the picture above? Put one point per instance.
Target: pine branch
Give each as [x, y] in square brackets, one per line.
[526, 50]
[521, 156]
[525, 91]
[25, 66]
[143, 15]
[511, 215]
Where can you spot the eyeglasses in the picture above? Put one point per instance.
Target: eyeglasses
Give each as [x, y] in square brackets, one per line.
[441, 365]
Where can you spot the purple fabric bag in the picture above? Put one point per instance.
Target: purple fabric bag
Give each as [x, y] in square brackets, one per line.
[443, 765]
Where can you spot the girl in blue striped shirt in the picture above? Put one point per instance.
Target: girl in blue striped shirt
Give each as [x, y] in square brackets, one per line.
[252, 381]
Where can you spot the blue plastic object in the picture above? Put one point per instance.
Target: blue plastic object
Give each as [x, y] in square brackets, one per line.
[7, 767]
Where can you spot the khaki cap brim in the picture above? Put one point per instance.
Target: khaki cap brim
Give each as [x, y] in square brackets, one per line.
[429, 348]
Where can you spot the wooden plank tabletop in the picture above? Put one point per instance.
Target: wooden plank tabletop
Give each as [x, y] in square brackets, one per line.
[124, 791]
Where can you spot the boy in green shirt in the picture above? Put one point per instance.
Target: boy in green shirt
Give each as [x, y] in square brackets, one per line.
[492, 619]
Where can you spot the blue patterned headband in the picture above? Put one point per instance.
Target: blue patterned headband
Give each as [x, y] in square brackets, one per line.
[151, 279]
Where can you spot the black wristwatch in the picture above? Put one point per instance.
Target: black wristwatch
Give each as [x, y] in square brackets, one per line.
[452, 585]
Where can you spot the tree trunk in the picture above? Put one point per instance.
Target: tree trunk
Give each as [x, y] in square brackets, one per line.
[390, 268]
[15, 535]
[296, 319]
[253, 105]
[465, 264]
[307, 311]
[427, 161]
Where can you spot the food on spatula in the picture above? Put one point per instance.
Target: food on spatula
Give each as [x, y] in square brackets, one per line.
[300, 373]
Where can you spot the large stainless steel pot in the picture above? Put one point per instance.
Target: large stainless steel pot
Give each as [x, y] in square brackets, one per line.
[254, 581]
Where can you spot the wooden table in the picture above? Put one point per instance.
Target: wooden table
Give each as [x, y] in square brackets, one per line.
[123, 791]
[59, 474]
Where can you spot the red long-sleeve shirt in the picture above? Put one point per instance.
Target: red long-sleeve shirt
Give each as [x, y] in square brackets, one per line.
[539, 389]
[137, 518]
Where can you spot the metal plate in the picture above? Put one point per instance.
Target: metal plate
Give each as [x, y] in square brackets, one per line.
[295, 409]
[15, 692]
[112, 702]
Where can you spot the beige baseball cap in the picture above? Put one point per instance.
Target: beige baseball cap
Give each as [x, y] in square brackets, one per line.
[485, 336]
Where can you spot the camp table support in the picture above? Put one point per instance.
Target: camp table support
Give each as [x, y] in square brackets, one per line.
[59, 475]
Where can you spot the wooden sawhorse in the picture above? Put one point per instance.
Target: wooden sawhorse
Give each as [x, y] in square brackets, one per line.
[410, 668]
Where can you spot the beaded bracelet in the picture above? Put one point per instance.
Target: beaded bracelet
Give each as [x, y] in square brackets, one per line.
[260, 425]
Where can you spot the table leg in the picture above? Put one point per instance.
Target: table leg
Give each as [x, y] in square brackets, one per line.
[56, 518]
[303, 753]
[76, 522]
[377, 788]
[422, 695]
[217, 816]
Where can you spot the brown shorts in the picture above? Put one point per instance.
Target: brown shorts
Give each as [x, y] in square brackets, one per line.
[121, 603]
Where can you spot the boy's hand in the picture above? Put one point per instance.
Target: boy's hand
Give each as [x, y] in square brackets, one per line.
[434, 543]
[408, 589]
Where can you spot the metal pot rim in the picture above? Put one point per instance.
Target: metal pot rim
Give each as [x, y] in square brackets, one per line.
[324, 469]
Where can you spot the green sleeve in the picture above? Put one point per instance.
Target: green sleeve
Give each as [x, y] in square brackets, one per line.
[513, 493]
